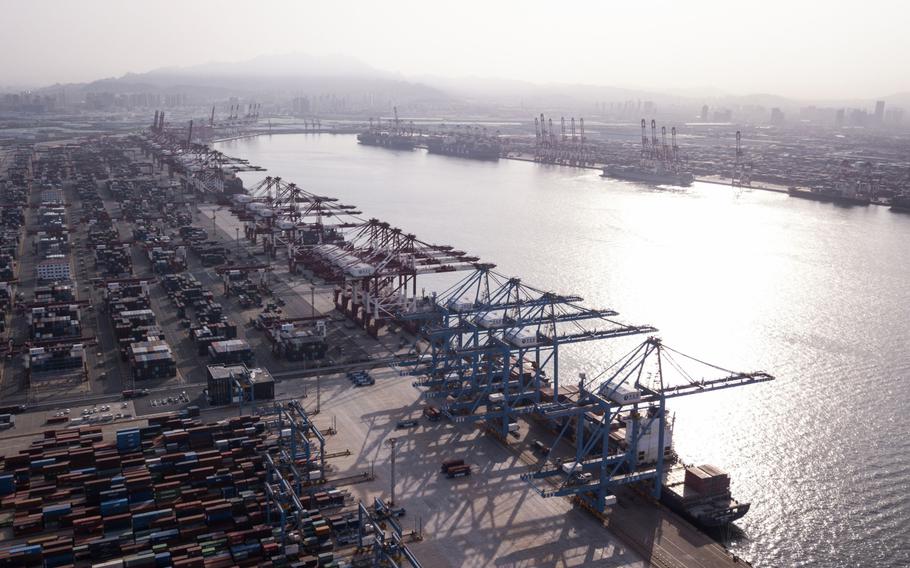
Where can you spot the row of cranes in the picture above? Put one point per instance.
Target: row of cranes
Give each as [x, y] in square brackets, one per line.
[207, 131]
[566, 147]
[654, 151]
[488, 352]
[206, 170]
[374, 266]
[234, 117]
[488, 348]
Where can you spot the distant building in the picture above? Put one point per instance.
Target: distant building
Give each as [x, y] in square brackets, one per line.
[704, 113]
[777, 116]
[839, 118]
[723, 115]
[300, 106]
[858, 117]
[879, 112]
[894, 116]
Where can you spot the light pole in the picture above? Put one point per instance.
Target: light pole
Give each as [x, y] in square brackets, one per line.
[313, 300]
[391, 443]
[237, 231]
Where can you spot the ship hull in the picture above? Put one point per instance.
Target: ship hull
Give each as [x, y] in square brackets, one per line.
[706, 517]
[900, 204]
[652, 178]
[827, 198]
[385, 142]
[469, 153]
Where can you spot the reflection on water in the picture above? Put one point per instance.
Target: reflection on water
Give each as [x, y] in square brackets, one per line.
[812, 293]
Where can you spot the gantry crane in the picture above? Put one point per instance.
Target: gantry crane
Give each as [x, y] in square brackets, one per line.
[618, 422]
[492, 346]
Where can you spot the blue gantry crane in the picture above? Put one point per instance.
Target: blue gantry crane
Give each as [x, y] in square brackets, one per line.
[492, 346]
[296, 465]
[618, 423]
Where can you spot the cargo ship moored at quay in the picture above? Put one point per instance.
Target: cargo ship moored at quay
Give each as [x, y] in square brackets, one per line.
[660, 163]
[702, 495]
[386, 140]
[836, 195]
[472, 149]
[656, 175]
[901, 203]
[396, 137]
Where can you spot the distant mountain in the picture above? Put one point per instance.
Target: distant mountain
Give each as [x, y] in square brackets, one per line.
[291, 74]
[280, 65]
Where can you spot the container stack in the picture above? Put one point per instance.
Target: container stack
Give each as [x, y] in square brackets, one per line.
[230, 352]
[152, 360]
[56, 360]
[174, 493]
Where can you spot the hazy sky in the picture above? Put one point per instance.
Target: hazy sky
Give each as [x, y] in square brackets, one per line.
[799, 48]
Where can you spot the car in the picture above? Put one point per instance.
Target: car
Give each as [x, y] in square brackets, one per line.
[539, 447]
[124, 405]
[407, 423]
[67, 411]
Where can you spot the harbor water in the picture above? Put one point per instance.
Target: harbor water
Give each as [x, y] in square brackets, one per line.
[813, 293]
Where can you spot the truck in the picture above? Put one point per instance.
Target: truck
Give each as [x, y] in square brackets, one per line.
[432, 413]
[455, 468]
[134, 393]
[578, 476]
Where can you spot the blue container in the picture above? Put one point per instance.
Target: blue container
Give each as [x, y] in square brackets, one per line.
[113, 493]
[114, 507]
[7, 484]
[38, 465]
[128, 440]
[163, 536]
[142, 496]
[53, 511]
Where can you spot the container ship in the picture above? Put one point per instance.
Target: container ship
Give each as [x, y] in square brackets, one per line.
[472, 148]
[701, 494]
[901, 203]
[652, 174]
[386, 140]
[397, 138]
[843, 195]
[660, 163]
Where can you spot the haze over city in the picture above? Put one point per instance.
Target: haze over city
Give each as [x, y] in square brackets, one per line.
[811, 50]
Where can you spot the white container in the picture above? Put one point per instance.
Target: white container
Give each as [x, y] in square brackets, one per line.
[522, 338]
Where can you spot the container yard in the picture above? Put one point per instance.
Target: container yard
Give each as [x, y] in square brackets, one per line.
[180, 492]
